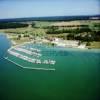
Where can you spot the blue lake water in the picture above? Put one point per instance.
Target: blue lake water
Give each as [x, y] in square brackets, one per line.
[76, 76]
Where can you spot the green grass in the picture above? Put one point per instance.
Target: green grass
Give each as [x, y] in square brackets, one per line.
[43, 24]
[95, 45]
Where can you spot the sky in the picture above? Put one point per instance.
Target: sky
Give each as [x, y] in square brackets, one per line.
[41, 8]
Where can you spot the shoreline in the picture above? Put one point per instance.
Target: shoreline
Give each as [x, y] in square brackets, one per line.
[65, 48]
[87, 48]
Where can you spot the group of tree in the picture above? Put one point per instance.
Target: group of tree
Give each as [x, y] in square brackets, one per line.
[33, 24]
[7, 25]
[92, 36]
[55, 30]
[82, 33]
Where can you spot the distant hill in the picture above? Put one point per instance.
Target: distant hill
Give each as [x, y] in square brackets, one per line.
[54, 18]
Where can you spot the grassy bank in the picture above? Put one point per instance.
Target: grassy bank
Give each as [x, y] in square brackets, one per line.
[94, 45]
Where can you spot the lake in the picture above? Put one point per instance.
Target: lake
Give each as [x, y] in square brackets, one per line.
[76, 76]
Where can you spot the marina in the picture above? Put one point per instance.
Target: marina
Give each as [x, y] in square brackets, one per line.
[29, 54]
[37, 61]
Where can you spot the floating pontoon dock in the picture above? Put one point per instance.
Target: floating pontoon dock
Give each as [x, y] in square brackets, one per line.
[53, 69]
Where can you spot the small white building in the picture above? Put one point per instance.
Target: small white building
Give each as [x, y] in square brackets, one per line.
[65, 43]
[82, 46]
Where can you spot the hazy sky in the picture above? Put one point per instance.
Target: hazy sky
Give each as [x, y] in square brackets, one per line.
[34, 8]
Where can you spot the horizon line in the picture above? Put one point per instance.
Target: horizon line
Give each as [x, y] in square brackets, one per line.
[92, 15]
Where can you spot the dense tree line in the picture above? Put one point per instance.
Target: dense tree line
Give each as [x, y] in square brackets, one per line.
[93, 36]
[7, 25]
[82, 33]
[55, 30]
